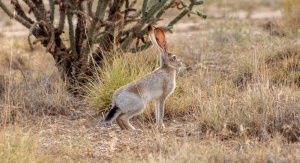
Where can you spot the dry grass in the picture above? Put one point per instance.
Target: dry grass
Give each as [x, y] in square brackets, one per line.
[30, 84]
[291, 13]
[115, 72]
[41, 96]
[214, 150]
[236, 100]
[18, 145]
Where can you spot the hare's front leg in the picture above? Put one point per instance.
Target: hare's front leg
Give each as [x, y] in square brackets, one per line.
[159, 112]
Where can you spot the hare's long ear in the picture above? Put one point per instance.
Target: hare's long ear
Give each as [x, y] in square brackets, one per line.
[157, 37]
[151, 31]
[161, 39]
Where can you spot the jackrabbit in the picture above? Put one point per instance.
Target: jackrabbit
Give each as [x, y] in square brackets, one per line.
[131, 99]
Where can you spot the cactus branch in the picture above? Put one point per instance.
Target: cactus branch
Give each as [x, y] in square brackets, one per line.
[126, 9]
[98, 15]
[62, 15]
[20, 11]
[17, 17]
[198, 2]
[89, 8]
[140, 48]
[93, 32]
[31, 31]
[37, 14]
[52, 10]
[198, 13]
[144, 7]
[166, 7]
[187, 10]
[71, 32]
[80, 32]
[152, 11]
[178, 17]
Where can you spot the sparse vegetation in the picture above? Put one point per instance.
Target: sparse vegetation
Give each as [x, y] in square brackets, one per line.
[18, 145]
[237, 98]
[42, 96]
[292, 13]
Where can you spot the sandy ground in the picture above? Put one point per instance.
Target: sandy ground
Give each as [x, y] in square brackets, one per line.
[110, 143]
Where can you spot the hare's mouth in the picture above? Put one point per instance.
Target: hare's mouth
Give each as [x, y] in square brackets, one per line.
[179, 64]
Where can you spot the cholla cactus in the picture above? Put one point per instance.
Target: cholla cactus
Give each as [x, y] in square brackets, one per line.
[94, 28]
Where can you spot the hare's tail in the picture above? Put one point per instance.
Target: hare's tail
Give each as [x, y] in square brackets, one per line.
[112, 114]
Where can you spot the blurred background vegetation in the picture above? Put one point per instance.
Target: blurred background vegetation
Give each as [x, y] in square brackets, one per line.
[236, 100]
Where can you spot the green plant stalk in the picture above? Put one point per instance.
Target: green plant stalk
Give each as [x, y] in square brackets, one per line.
[186, 11]
[17, 17]
[52, 10]
[21, 12]
[183, 13]
[89, 8]
[144, 31]
[71, 33]
[152, 11]
[198, 2]
[145, 18]
[178, 17]
[37, 13]
[62, 15]
[160, 13]
[98, 15]
[141, 48]
[126, 6]
[144, 7]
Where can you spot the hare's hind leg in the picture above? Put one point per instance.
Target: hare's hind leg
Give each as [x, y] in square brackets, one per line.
[125, 118]
[120, 122]
[128, 124]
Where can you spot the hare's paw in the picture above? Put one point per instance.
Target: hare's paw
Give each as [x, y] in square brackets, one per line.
[159, 127]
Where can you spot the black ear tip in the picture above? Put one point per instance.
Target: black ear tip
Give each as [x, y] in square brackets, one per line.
[149, 27]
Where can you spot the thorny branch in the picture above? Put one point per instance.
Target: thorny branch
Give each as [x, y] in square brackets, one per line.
[94, 27]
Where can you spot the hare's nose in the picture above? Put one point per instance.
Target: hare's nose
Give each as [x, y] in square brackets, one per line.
[180, 63]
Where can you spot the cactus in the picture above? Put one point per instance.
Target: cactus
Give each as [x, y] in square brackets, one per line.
[112, 25]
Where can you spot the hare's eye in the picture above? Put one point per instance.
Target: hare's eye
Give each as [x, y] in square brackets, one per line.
[174, 57]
